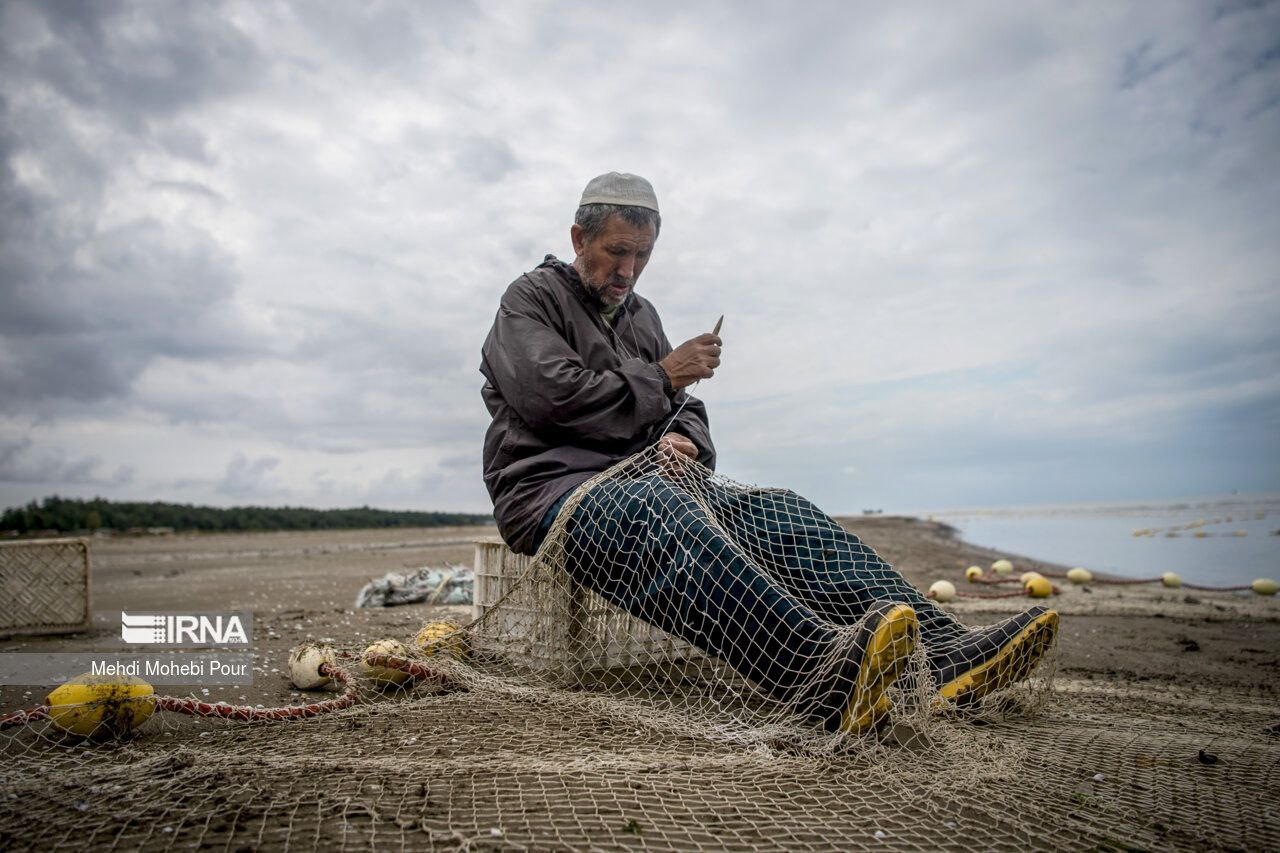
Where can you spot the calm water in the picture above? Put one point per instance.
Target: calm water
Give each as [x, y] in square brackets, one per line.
[1101, 537]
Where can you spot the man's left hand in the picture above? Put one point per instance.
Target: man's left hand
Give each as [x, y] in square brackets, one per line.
[671, 447]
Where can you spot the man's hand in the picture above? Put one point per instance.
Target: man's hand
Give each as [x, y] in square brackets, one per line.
[672, 450]
[696, 358]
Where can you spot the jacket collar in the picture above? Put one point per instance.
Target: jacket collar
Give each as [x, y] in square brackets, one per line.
[574, 282]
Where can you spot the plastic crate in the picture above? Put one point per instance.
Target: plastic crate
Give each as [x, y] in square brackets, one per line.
[549, 622]
[44, 586]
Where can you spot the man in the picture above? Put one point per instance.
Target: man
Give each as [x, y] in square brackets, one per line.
[579, 377]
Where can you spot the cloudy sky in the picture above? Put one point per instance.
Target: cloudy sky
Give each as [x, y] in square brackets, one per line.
[968, 253]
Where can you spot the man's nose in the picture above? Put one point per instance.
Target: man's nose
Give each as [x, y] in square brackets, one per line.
[627, 267]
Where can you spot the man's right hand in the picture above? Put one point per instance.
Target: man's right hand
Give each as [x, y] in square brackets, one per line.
[694, 359]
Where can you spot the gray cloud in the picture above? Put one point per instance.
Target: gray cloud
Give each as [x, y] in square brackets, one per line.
[85, 329]
[19, 465]
[245, 478]
[487, 159]
[130, 62]
[1014, 254]
[92, 294]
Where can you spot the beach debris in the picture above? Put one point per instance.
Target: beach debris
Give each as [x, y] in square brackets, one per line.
[455, 585]
[1098, 777]
[1189, 645]
[942, 591]
[1207, 758]
[1002, 567]
[1079, 575]
[1027, 576]
[973, 573]
[1263, 586]
[1171, 580]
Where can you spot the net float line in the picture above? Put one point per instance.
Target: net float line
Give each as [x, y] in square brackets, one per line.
[990, 596]
[197, 708]
[91, 706]
[415, 669]
[22, 717]
[249, 713]
[1204, 588]
[1168, 579]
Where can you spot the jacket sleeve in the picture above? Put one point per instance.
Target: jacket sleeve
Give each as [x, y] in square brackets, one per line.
[540, 376]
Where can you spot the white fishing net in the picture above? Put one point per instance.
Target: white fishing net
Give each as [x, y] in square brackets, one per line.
[687, 662]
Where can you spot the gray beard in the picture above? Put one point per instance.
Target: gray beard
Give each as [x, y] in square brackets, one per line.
[597, 293]
[596, 289]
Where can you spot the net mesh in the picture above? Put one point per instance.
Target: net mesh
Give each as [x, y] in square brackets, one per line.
[687, 662]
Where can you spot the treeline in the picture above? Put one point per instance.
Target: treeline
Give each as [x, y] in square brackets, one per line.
[72, 514]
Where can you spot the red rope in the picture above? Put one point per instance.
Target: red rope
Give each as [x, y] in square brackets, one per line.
[1197, 586]
[21, 718]
[1022, 593]
[416, 669]
[196, 708]
[1113, 582]
[249, 713]
[1109, 581]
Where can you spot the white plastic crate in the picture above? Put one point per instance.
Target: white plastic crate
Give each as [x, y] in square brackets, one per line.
[551, 623]
[44, 586]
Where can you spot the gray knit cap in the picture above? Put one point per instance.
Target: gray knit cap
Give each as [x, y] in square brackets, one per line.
[620, 188]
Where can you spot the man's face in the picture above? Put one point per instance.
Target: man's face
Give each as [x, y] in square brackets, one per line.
[611, 262]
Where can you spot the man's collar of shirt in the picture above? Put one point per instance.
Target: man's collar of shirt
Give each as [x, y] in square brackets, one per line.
[631, 303]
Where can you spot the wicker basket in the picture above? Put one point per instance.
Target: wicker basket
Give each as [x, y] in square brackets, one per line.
[44, 586]
[551, 623]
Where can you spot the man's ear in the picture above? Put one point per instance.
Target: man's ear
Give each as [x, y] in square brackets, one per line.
[578, 238]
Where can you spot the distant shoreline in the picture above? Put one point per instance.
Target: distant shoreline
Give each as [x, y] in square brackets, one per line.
[1267, 500]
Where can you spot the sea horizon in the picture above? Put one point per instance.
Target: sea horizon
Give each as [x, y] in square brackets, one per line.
[1219, 539]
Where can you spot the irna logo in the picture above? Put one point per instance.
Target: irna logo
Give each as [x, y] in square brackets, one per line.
[218, 629]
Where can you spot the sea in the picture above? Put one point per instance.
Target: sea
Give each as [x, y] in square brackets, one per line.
[1220, 540]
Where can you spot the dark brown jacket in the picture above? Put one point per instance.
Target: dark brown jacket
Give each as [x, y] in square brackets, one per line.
[569, 395]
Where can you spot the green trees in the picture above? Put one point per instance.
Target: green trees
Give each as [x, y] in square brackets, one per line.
[68, 514]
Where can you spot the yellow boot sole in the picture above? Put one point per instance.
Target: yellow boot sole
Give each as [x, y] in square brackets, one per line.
[1014, 662]
[887, 654]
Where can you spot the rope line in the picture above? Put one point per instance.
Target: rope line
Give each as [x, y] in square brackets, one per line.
[22, 717]
[247, 713]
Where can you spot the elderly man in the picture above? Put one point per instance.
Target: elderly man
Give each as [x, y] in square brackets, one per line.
[580, 376]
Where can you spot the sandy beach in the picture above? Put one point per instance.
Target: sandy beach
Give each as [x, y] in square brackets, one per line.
[1176, 671]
